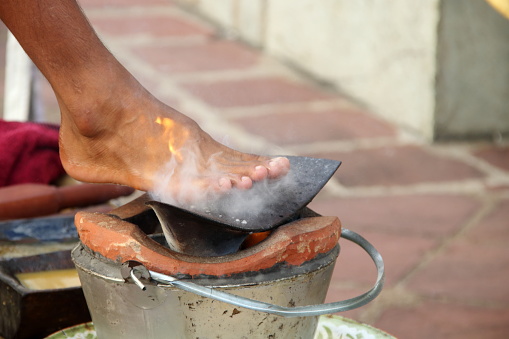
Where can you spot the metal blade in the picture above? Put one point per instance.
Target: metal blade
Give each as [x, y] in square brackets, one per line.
[272, 202]
[193, 235]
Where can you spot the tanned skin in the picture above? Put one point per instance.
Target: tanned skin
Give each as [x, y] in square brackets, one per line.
[108, 127]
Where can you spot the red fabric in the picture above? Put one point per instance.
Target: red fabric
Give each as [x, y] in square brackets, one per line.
[28, 153]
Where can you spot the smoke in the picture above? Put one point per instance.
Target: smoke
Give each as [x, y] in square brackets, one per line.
[247, 208]
[182, 184]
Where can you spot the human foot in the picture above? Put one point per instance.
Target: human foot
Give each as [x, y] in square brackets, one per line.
[109, 131]
[147, 145]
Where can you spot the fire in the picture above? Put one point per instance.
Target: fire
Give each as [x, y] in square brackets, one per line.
[175, 139]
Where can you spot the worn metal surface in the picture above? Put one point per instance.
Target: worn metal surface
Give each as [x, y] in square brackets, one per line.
[272, 202]
[193, 235]
[123, 310]
[135, 271]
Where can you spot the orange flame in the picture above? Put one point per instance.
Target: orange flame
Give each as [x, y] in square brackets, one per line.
[174, 142]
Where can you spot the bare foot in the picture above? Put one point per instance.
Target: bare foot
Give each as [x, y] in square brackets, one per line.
[112, 129]
[142, 143]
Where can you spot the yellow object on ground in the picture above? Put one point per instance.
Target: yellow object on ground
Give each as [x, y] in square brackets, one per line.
[47, 280]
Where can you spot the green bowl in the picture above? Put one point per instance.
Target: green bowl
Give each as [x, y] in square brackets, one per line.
[83, 331]
[329, 327]
[337, 327]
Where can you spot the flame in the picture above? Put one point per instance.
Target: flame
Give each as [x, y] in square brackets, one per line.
[175, 136]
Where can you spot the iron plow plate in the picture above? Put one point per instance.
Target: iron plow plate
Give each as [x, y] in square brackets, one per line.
[271, 202]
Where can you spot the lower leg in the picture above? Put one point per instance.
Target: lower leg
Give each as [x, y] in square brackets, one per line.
[112, 129]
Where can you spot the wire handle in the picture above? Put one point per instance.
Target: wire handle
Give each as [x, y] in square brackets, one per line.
[299, 311]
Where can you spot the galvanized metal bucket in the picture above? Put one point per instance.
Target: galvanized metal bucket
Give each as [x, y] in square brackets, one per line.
[128, 301]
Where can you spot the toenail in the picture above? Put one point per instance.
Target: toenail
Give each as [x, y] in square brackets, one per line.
[280, 162]
[276, 161]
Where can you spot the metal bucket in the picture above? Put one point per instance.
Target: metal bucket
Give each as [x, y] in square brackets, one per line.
[123, 310]
[266, 304]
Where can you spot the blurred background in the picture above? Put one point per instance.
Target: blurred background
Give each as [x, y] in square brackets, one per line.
[412, 96]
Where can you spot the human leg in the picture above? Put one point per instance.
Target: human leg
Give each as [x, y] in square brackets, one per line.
[110, 130]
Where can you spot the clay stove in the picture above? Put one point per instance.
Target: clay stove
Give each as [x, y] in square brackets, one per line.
[205, 278]
[291, 268]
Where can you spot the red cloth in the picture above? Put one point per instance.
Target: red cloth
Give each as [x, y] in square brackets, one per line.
[28, 153]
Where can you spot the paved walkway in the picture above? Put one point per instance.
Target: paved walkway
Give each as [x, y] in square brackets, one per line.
[438, 214]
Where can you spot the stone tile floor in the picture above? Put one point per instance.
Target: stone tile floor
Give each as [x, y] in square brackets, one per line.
[439, 214]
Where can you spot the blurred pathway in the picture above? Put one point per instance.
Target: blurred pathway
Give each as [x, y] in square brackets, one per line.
[438, 214]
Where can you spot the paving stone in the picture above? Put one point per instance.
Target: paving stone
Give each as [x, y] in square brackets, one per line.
[445, 321]
[122, 3]
[493, 230]
[497, 187]
[309, 126]
[251, 92]
[466, 271]
[211, 56]
[497, 156]
[398, 165]
[475, 267]
[340, 293]
[429, 215]
[156, 25]
[400, 253]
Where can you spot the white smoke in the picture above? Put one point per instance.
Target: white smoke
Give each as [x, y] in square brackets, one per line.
[181, 184]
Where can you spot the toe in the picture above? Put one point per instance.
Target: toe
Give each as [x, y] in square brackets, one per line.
[241, 182]
[244, 183]
[278, 167]
[225, 184]
[260, 173]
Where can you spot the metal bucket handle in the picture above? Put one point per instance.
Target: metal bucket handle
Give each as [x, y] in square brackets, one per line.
[299, 311]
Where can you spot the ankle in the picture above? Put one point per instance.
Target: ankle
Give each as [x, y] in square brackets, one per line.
[99, 110]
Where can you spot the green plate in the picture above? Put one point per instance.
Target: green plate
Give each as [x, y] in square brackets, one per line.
[337, 327]
[83, 331]
[329, 327]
